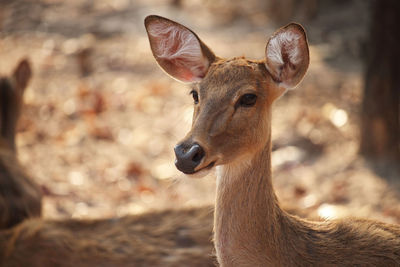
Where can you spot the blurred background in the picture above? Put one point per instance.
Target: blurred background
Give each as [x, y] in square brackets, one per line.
[101, 119]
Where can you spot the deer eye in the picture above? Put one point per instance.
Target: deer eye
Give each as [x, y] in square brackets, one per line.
[195, 96]
[247, 100]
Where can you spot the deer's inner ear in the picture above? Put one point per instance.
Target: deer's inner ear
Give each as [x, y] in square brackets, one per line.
[178, 50]
[287, 55]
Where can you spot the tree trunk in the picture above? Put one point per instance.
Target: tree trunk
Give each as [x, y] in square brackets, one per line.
[380, 119]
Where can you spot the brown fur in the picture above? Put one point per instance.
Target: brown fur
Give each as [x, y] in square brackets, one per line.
[251, 229]
[159, 238]
[20, 198]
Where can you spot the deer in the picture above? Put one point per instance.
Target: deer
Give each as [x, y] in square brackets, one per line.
[20, 197]
[171, 237]
[231, 134]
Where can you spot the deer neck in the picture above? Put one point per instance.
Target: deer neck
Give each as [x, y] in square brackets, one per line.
[247, 214]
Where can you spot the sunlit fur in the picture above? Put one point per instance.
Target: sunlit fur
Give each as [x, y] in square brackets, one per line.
[215, 117]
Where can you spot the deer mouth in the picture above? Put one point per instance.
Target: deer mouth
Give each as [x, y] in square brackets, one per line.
[208, 167]
[202, 171]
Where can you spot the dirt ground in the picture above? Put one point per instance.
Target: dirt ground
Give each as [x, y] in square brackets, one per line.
[101, 119]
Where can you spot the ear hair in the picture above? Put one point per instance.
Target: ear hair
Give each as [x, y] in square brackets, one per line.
[287, 55]
[177, 49]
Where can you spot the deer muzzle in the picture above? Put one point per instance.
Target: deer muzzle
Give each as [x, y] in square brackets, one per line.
[188, 157]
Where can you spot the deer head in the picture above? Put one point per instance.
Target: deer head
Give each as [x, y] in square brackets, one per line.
[232, 97]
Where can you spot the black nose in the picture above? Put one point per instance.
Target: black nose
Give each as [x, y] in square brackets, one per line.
[188, 157]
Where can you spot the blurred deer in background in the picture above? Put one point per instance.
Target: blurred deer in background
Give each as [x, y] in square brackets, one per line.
[20, 198]
[165, 238]
[159, 238]
[231, 131]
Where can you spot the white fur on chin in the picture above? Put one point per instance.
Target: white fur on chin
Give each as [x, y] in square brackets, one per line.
[201, 174]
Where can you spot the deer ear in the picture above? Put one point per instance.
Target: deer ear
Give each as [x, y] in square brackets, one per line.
[178, 50]
[22, 74]
[287, 55]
